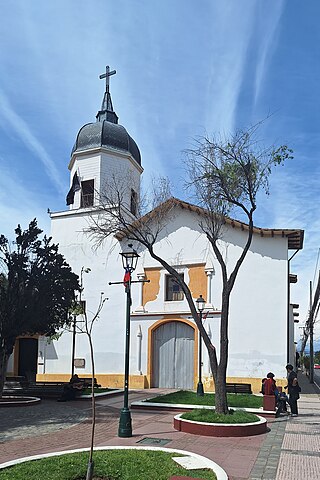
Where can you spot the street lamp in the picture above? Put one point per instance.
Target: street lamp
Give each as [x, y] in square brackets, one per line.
[129, 262]
[200, 305]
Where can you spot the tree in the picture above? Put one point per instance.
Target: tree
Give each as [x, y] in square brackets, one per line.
[226, 176]
[80, 309]
[37, 288]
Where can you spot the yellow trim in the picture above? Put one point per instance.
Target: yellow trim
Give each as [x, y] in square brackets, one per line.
[151, 290]
[153, 327]
[198, 281]
[16, 353]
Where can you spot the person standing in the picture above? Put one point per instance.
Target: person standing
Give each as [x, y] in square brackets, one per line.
[293, 390]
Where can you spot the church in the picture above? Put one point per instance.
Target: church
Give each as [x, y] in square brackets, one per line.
[164, 343]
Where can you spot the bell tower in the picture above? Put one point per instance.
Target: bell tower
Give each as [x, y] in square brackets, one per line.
[104, 158]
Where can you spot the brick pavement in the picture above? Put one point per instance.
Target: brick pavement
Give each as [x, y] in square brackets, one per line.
[291, 446]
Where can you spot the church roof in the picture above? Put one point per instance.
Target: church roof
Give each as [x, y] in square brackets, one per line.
[106, 132]
[295, 236]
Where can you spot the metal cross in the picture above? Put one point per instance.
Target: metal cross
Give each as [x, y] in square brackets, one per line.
[107, 75]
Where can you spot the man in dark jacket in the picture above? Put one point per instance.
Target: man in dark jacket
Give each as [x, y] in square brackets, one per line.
[293, 390]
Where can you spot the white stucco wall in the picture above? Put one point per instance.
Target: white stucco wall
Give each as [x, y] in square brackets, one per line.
[258, 308]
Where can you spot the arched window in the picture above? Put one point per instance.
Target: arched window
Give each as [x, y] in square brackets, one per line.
[87, 193]
[133, 202]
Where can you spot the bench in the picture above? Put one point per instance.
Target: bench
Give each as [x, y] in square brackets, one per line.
[239, 388]
[44, 389]
[87, 382]
[52, 389]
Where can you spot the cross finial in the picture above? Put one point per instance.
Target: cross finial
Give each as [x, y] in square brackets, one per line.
[107, 75]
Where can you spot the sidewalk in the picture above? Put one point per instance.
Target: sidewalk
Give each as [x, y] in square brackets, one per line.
[292, 448]
[289, 451]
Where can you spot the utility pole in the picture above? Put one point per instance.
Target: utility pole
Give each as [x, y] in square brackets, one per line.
[311, 378]
[308, 331]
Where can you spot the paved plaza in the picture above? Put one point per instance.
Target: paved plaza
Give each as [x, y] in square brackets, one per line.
[290, 450]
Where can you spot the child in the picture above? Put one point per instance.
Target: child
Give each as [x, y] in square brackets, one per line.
[281, 404]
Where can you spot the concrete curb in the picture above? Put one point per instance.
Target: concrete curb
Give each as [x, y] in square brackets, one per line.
[101, 395]
[19, 401]
[183, 406]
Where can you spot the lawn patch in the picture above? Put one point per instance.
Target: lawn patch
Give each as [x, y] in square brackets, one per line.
[190, 398]
[109, 464]
[209, 416]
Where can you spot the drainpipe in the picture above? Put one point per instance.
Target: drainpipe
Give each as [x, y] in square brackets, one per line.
[288, 308]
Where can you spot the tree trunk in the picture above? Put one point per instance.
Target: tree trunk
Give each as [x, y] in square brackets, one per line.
[221, 373]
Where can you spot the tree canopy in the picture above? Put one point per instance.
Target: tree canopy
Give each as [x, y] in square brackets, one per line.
[37, 287]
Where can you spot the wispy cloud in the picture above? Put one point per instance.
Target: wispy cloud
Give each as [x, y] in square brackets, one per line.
[291, 205]
[19, 205]
[267, 43]
[20, 127]
[230, 40]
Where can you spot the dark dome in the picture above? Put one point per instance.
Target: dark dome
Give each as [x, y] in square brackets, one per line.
[106, 134]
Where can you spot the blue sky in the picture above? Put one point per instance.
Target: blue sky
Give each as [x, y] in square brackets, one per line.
[184, 68]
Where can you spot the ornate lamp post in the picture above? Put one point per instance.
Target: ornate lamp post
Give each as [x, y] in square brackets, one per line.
[129, 262]
[200, 305]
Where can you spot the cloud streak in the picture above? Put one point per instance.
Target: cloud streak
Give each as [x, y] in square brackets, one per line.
[228, 58]
[22, 207]
[267, 45]
[20, 127]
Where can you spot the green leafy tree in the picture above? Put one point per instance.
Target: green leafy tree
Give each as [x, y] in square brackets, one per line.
[317, 357]
[37, 288]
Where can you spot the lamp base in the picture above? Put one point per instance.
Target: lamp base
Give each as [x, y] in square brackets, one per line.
[125, 424]
[200, 391]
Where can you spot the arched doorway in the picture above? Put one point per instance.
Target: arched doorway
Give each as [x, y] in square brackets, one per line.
[173, 356]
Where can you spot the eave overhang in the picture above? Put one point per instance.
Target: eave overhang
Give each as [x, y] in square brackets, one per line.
[294, 236]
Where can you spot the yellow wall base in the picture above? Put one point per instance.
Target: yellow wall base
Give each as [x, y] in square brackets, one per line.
[208, 383]
[109, 380]
[114, 380]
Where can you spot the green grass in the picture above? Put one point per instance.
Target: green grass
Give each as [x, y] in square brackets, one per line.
[238, 416]
[190, 398]
[109, 464]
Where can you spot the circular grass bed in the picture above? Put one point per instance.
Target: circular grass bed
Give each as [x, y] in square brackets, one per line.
[111, 464]
[209, 423]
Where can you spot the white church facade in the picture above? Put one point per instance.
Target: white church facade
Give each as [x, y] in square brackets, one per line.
[164, 342]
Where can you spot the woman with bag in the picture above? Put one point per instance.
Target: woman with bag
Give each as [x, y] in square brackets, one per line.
[293, 390]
